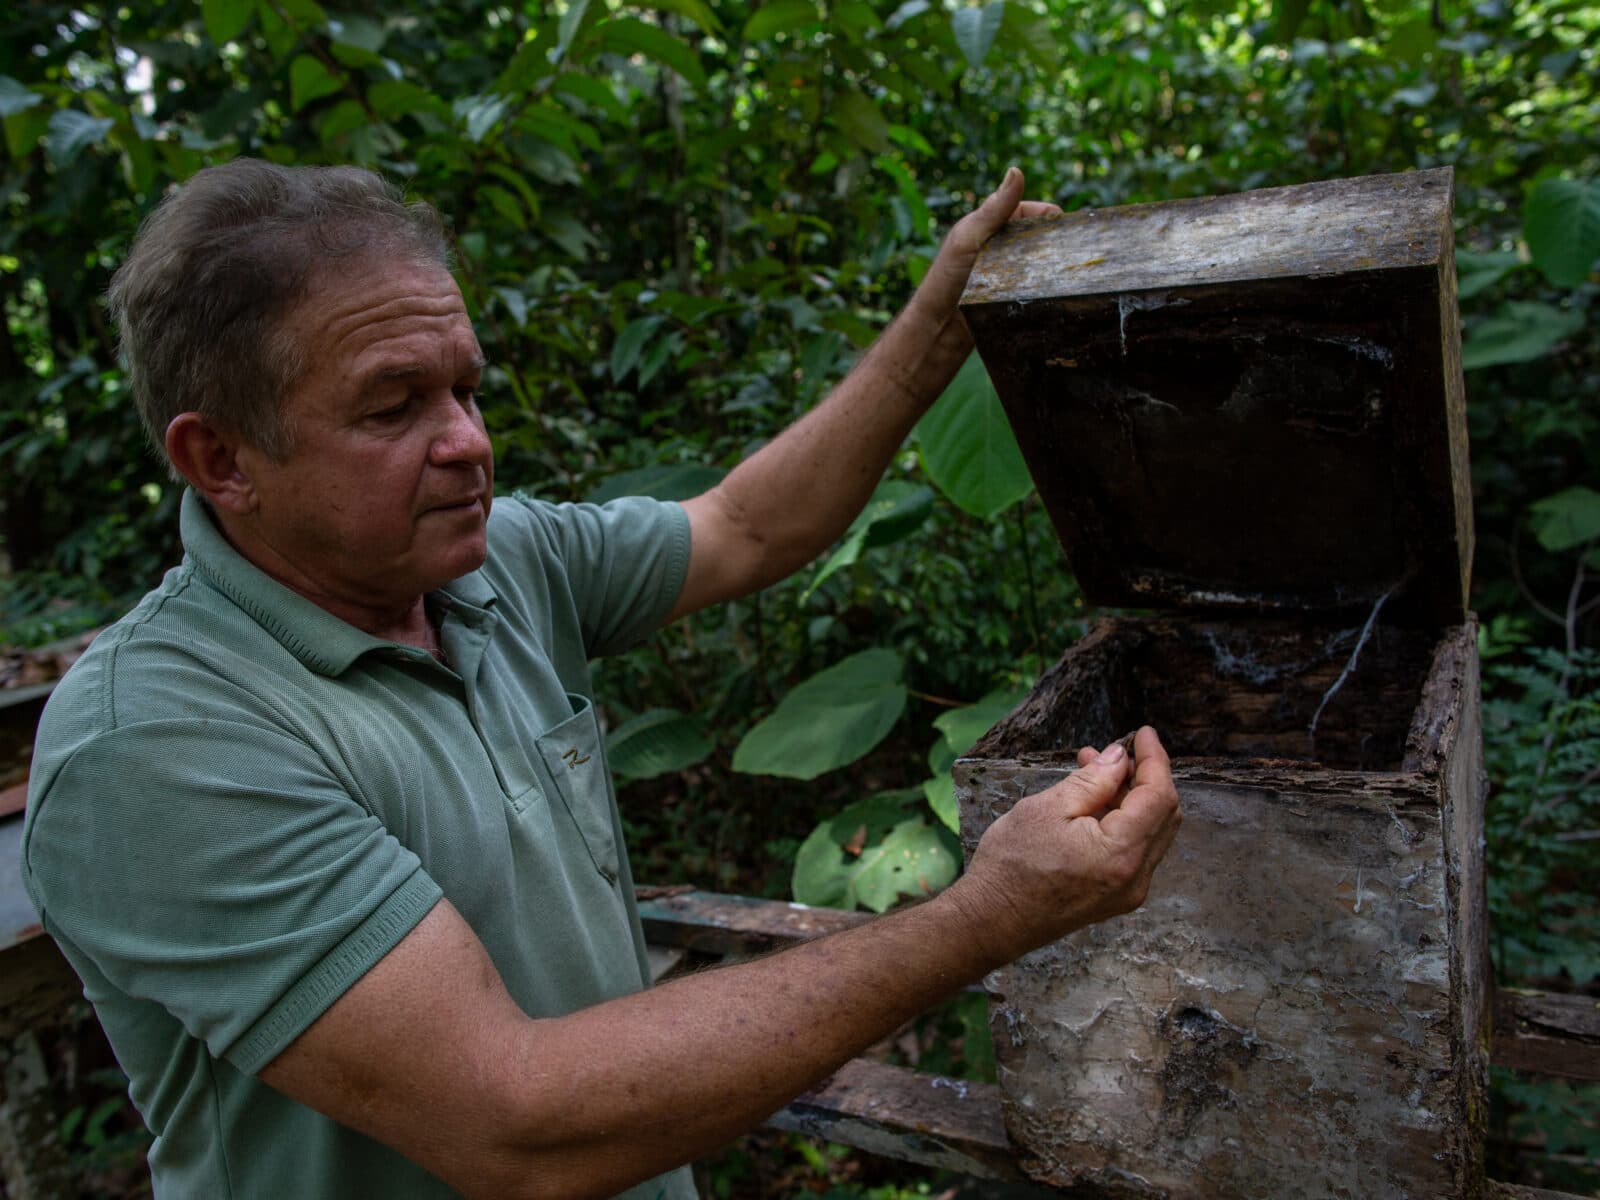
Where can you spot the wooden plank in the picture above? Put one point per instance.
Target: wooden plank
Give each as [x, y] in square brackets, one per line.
[18, 921]
[1547, 1034]
[37, 986]
[914, 1117]
[906, 1115]
[1513, 1191]
[712, 923]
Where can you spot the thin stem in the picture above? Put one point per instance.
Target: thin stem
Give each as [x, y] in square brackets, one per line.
[1027, 568]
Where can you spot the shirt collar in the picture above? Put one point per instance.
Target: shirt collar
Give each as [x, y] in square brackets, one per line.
[322, 641]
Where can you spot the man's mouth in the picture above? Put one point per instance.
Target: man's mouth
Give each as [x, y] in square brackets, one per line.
[458, 505]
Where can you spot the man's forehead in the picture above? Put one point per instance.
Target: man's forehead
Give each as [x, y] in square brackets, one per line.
[368, 309]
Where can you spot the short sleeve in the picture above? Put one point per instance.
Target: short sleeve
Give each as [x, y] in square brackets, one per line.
[218, 869]
[623, 562]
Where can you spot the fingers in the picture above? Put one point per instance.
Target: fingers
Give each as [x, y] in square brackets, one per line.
[1151, 757]
[1097, 782]
[1152, 804]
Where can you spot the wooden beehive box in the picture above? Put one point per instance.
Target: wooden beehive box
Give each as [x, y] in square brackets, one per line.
[1246, 413]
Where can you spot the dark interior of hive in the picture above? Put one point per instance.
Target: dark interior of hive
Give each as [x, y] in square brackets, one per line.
[1270, 458]
[1230, 689]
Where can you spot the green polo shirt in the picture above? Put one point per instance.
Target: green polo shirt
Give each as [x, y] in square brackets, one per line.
[239, 804]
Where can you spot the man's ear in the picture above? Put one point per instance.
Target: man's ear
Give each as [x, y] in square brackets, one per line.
[210, 460]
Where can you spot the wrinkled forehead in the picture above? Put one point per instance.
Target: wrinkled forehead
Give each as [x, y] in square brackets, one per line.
[354, 309]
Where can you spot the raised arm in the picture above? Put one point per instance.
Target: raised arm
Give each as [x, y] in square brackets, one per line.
[784, 505]
[428, 1053]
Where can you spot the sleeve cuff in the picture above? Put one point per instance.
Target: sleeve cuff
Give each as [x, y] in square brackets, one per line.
[315, 992]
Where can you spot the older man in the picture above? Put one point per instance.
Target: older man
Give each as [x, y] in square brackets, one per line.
[324, 823]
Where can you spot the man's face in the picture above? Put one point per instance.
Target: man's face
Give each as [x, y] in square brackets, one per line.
[386, 490]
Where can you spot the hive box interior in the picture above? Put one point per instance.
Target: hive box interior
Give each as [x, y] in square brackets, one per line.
[1269, 689]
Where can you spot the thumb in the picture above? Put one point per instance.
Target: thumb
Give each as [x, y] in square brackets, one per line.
[998, 206]
[1095, 786]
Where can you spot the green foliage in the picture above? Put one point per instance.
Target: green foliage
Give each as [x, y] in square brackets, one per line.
[654, 743]
[1542, 750]
[829, 721]
[968, 449]
[897, 509]
[873, 853]
[1561, 221]
[1569, 518]
[958, 730]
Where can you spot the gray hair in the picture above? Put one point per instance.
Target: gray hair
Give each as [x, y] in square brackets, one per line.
[202, 300]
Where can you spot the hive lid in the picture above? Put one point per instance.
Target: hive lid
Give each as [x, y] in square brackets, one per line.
[1246, 402]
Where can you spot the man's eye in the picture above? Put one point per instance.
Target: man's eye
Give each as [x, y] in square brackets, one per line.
[466, 394]
[393, 413]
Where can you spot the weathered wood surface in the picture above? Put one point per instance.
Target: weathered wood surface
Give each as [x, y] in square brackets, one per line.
[1271, 386]
[710, 923]
[1547, 1034]
[1373, 223]
[1543, 1032]
[907, 1115]
[1295, 1010]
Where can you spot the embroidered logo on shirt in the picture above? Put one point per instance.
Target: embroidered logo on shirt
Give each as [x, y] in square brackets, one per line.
[571, 758]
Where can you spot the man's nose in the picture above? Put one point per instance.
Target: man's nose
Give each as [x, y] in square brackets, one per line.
[461, 436]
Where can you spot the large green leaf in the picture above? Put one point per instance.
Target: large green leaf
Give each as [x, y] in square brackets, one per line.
[897, 509]
[975, 29]
[655, 743]
[663, 481]
[226, 19]
[1518, 332]
[309, 80]
[861, 121]
[630, 344]
[567, 27]
[828, 721]
[1561, 221]
[15, 98]
[630, 36]
[696, 10]
[968, 449]
[871, 854]
[960, 728]
[1567, 519]
[780, 16]
[480, 114]
[70, 131]
[1030, 34]
[1478, 272]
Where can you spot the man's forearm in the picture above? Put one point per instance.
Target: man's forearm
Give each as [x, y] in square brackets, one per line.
[801, 491]
[784, 505]
[429, 1053]
[724, 1049]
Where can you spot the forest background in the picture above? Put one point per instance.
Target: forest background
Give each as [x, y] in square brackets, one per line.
[677, 225]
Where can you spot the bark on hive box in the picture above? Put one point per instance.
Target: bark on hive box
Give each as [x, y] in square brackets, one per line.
[1249, 409]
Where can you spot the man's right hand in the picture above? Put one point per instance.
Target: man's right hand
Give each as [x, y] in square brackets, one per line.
[1074, 854]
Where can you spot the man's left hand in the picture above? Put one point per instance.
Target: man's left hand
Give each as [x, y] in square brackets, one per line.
[941, 289]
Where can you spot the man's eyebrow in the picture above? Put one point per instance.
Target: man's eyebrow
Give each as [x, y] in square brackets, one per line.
[383, 375]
